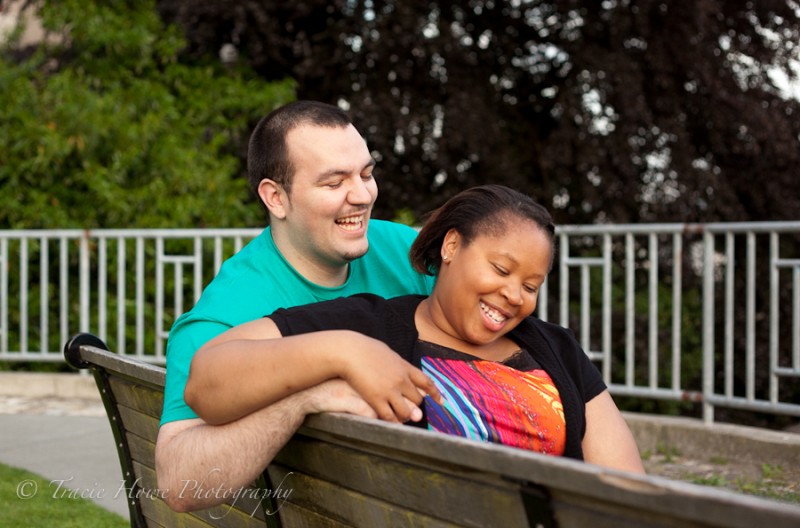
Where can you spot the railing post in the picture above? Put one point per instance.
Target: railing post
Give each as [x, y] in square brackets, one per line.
[607, 292]
[4, 295]
[630, 309]
[159, 321]
[677, 305]
[708, 326]
[23, 295]
[774, 323]
[83, 286]
[652, 316]
[563, 279]
[44, 283]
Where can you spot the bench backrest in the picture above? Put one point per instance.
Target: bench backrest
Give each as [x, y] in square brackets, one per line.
[342, 470]
[133, 395]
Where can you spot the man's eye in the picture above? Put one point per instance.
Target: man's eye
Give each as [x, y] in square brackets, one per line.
[334, 185]
[367, 177]
[530, 289]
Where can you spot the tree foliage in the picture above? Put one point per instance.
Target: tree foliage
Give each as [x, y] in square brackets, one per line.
[618, 110]
[103, 125]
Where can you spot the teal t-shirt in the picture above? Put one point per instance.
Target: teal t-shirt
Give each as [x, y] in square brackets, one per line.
[258, 280]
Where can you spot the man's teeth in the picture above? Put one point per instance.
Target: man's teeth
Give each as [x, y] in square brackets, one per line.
[351, 222]
[493, 314]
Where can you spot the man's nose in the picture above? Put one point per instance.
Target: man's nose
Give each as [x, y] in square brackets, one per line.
[360, 192]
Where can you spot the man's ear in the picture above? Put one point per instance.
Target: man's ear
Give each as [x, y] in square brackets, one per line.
[274, 197]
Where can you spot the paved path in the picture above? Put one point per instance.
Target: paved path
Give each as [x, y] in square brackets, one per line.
[66, 440]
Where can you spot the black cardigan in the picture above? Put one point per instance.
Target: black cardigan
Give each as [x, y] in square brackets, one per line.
[392, 321]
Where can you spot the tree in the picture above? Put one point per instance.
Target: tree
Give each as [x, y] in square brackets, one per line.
[617, 111]
[104, 125]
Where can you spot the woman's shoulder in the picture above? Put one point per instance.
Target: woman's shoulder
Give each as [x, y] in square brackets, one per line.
[546, 329]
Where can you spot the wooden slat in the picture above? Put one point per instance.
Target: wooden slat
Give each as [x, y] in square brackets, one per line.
[223, 516]
[143, 398]
[139, 423]
[124, 366]
[343, 505]
[424, 489]
[142, 451]
[157, 512]
[296, 517]
[573, 510]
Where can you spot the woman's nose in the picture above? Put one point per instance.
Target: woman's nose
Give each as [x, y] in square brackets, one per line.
[513, 294]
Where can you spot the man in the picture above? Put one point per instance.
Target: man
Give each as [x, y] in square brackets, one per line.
[313, 172]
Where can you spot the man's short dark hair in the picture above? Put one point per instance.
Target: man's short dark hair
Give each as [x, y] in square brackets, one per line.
[268, 154]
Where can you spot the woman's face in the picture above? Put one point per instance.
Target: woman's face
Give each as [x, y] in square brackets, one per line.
[485, 288]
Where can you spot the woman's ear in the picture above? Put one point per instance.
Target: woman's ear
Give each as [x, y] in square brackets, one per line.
[450, 243]
[273, 197]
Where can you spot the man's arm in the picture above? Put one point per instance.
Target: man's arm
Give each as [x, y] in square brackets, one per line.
[193, 457]
[251, 366]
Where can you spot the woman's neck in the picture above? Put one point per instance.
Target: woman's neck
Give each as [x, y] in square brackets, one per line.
[431, 331]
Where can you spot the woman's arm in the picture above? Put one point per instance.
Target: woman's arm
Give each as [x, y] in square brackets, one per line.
[608, 440]
[251, 366]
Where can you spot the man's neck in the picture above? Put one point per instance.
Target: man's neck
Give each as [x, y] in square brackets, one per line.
[321, 274]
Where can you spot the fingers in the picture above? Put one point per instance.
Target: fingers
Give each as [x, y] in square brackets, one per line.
[399, 410]
[426, 386]
[416, 412]
[405, 405]
[339, 396]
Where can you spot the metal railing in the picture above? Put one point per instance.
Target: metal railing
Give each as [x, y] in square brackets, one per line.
[111, 282]
[701, 312]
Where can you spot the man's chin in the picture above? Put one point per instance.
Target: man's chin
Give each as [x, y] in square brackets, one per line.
[350, 256]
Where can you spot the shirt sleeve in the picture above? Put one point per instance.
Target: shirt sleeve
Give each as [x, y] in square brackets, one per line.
[593, 380]
[579, 368]
[588, 378]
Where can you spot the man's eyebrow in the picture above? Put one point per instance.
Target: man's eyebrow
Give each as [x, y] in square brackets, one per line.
[342, 172]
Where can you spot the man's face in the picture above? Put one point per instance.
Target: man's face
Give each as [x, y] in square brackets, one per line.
[331, 196]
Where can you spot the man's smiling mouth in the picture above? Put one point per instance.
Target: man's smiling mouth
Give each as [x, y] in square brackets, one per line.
[351, 223]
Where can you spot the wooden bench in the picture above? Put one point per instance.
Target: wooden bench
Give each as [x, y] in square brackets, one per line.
[341, 470]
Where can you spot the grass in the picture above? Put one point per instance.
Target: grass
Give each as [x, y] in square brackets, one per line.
[668, 452]
[766, 487]
[771, 483]
[27, 500]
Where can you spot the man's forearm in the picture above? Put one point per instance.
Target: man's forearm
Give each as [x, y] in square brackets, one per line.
[193, 458]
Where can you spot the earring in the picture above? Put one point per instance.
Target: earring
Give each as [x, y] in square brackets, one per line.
[444, 258]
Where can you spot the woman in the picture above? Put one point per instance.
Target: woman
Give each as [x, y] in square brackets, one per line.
[490, 371]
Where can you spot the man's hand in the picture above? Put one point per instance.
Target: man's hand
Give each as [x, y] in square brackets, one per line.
[231, 456]
[335, 395]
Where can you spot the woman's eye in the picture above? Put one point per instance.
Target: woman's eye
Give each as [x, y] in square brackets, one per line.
[500, 270]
